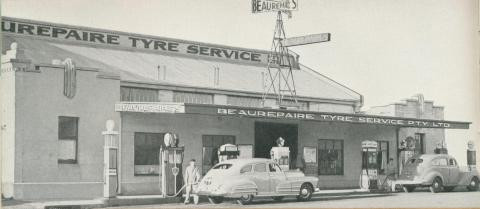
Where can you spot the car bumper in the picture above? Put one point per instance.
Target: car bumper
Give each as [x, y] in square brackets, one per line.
[210, 193]
[409, 182]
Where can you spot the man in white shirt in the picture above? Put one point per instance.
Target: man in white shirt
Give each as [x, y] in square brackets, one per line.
[191, 178]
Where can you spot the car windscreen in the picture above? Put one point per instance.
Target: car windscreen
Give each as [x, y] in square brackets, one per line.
[414, 161]
[222, 166]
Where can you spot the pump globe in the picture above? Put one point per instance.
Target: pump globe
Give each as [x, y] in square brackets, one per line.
[110, 124]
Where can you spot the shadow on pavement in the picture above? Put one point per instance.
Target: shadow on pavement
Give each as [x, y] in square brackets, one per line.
[322, 197]
[12, 202]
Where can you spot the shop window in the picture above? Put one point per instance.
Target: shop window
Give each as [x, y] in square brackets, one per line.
[244, 101]
[195, 98]
[330, 157]
[383, 156]
[67, 140]
[130, 94]
[211, 143]
[147, 150]
[419, 143]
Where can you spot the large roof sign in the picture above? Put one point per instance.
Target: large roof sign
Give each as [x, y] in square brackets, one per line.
[106, 38]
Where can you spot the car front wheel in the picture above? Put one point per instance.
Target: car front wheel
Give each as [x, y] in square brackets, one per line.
[473, 186]
[437, 185]
[306, 192]
[245, 199]
[215, 200]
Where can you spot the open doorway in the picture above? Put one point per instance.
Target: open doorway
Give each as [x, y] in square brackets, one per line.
[267, 133]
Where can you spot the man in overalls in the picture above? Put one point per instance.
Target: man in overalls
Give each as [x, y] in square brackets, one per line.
[191, 178]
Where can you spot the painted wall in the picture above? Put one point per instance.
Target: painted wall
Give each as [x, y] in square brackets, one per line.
[39, 103]
[190, 129]
[413, 108]
[7, 127]
[353, 135]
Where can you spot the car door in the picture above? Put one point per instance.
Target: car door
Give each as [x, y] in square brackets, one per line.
[454, 172]
[441, 166]
[277, 177]
[261, 178]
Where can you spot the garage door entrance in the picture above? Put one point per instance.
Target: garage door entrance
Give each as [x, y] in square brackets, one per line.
[267, 133]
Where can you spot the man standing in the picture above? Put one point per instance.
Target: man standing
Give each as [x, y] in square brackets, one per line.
[191, 178]
[391, 174]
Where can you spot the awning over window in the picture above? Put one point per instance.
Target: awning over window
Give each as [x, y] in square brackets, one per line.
[277, 114]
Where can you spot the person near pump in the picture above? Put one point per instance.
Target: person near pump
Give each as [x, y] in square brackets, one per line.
[391, 174]
[191, 178]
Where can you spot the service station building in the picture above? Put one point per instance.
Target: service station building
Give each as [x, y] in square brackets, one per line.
[59, 84]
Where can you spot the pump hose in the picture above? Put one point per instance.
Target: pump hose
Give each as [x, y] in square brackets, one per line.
[386, 178]
[180, 190]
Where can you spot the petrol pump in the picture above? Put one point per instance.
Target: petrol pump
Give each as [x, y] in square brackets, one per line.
[370, 165]
[227, 151]
[281, 154]
[407, 150]
[171, 159]
[110, 151]
[471, 156]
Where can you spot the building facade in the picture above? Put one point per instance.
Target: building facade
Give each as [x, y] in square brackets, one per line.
[59, 84]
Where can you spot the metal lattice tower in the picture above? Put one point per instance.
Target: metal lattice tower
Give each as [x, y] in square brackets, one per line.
[279, 75]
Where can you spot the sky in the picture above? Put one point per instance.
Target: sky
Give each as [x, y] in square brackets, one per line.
[387, 50]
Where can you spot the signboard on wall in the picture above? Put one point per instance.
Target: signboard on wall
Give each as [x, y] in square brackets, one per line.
[220, 110]
[327, 117]
[246, 151]
[153, 107]
[310, 154]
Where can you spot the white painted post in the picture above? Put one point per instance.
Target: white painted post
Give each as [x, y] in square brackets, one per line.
[110, 171]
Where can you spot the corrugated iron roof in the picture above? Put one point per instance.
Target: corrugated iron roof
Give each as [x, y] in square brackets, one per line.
[141, 66]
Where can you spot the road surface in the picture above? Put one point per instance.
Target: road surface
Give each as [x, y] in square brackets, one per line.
[421, 198]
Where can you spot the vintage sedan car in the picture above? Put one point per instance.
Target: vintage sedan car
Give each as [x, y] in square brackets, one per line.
[244, 179]
[440, 172]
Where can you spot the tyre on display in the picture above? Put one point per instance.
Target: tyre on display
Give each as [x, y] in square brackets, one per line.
[473, 185]
[306, 192]
[437, 185]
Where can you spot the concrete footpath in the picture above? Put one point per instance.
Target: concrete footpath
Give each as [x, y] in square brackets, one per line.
[126, 201]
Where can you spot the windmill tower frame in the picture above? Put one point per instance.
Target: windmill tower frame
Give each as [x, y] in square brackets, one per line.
[279, 80]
